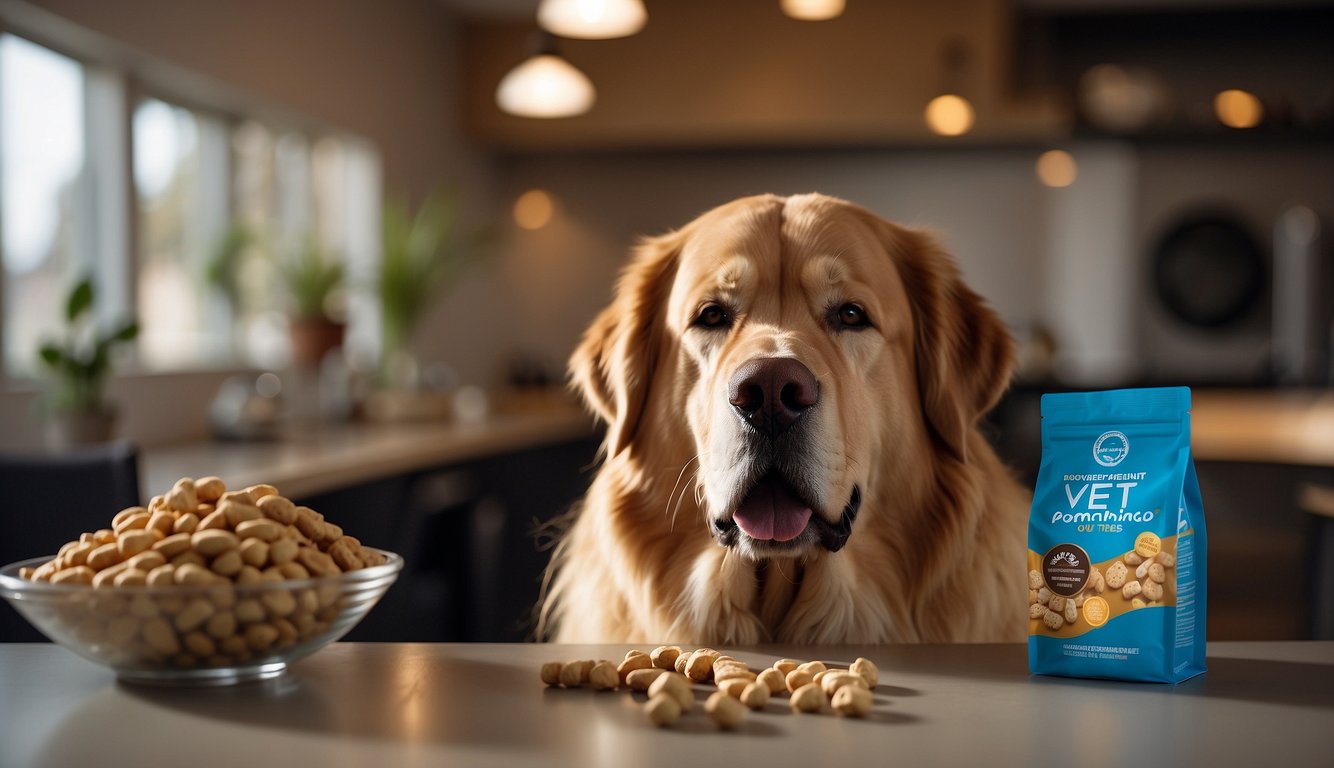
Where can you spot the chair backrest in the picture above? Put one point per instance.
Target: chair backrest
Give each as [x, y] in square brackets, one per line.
[46, 501]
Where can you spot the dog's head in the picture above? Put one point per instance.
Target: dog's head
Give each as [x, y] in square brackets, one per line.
[806, 353]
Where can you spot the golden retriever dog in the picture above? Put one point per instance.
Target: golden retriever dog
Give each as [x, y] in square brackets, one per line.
[791, 387]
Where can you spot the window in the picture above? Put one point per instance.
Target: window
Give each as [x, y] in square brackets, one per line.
[272, 190]
[42, 192]
[195, 250]
[210, 268]
[290, 192]
[180, 177]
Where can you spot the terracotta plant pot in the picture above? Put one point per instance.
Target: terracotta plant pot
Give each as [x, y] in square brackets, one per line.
[313, 338]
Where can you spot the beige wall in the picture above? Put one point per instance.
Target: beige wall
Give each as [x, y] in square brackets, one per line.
[985, 205]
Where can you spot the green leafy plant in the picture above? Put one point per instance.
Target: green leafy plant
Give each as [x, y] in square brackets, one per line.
[424, 254]
[223, 267]
[81, 362]
[311, 276]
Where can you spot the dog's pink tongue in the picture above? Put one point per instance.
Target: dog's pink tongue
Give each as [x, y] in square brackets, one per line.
[771, 512]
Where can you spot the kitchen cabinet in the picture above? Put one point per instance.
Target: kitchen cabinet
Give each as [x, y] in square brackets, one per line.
[474, 538]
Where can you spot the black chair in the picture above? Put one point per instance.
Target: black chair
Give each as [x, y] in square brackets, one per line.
[46, 501]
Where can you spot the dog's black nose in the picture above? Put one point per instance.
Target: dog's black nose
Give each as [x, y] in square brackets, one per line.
[771, 393]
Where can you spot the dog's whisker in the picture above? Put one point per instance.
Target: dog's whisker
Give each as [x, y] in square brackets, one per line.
[680, 475]
[680, 497]
[673, 504]
[699, 491]
[777, 567]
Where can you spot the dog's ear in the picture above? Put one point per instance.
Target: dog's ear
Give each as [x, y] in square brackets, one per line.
[614, 364]
[963, 351]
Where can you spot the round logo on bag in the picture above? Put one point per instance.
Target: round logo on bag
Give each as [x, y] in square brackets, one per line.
[1065, 569]
[1111, 449]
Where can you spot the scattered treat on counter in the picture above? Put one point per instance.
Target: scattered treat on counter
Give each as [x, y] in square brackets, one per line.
[667, 675]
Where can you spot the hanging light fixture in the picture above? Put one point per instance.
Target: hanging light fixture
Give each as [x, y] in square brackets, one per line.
[545, 85]
[813, 10]
[1057, 168]
[1236, 108]
[949, 113]
[534, 209]
[592, 19]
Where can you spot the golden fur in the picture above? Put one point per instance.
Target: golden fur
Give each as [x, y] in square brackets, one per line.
[935, 553]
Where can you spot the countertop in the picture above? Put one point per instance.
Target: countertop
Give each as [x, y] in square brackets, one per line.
[333, 456]
[1263, 426]
[360, 704]
[1275, 427]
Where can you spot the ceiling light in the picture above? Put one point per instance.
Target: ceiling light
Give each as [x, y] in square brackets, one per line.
[1057, 168]
[534, 209]
[546, 85]
[949, 115]
[1238, 109]
[813, 10]
[592, 19]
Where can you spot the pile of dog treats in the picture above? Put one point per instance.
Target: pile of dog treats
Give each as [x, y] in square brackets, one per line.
[200, 533]
[222, 557]
[667, 674]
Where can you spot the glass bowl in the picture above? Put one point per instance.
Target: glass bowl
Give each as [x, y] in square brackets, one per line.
[199, 635]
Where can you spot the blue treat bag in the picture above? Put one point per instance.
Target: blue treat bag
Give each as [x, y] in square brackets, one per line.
[1116, 542]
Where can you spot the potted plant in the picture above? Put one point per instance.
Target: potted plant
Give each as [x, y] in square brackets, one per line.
[75, 409]
[423, 255]
[312, 277]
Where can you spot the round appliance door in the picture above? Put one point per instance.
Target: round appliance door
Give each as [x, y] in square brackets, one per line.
[1208, 271]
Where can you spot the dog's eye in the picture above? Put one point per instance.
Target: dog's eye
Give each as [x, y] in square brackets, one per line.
[850, 316]
[713, 316]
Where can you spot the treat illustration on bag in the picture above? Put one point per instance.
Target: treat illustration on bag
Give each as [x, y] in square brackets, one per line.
[1116, 539]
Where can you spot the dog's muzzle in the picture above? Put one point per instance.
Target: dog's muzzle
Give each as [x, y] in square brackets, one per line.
[774, 397]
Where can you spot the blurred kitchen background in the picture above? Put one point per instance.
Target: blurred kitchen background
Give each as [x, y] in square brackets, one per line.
[354, 273]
